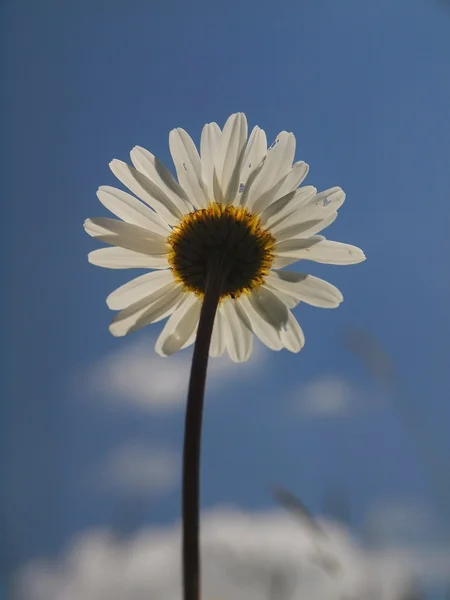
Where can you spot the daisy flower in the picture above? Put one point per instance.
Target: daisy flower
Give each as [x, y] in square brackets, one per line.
[217, 242]
[238, 204]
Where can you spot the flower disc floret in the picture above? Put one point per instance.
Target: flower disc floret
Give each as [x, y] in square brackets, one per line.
[225, 236]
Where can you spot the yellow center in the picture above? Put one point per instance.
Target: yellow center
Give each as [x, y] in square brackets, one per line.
[228, 236]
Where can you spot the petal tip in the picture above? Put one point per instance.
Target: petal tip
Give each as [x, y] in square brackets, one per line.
[91, 258]
[110, 304]
[116, 332]
[115, 164]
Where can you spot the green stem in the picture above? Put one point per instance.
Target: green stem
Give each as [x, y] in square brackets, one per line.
[192, 435]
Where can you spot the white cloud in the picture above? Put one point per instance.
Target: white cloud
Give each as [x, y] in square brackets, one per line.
[245, 556]
[326, 396]
[430, 564]
[138, 468]
[395, 520]
[136, 374]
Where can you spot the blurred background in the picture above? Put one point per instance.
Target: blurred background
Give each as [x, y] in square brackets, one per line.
[355, 426]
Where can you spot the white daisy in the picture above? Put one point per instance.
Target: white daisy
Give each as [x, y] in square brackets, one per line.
[237, 200]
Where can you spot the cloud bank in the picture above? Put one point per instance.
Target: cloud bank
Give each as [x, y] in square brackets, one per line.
[249, 556]
[135, 375]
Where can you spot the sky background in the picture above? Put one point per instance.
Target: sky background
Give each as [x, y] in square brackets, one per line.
[91, 425]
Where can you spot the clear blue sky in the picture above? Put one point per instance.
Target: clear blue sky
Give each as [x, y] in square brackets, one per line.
[365, 88]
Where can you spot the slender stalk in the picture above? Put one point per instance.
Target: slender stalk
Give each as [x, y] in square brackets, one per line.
[192, 435]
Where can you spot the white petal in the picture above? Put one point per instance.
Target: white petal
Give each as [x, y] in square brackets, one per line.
[180, 326]
[132, 237]
[306, 288]
[191, 339]
[255, 151]
[286, 205]
[318, 227]
[218, 194]
[277, 164]
[304, 229]
[318, 249]
[147, 190]
[147, 310]
[131, 210]
[138, 288]
[296, 248]
[244, 194]
[269, 307]
[279, 262]
[282, 154]
[265, 199]
[209, 147]
[333, 197]
[328, 252]
[289, 301]
[151, 167]
[218, 335]
[285, 186]
[239, 336]
[293, 179]
[292, 335]
[317, 208]
[263, 330]
[120, 258]
[188, 166]
[230, 155]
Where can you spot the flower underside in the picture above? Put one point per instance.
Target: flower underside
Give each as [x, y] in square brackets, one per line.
[227, 237]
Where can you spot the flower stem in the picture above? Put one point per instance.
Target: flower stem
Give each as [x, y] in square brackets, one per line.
[192, 435]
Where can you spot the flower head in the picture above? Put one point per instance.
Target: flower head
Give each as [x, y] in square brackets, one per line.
[237, 206]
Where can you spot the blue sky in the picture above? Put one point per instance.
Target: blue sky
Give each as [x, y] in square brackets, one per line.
[364, 87]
